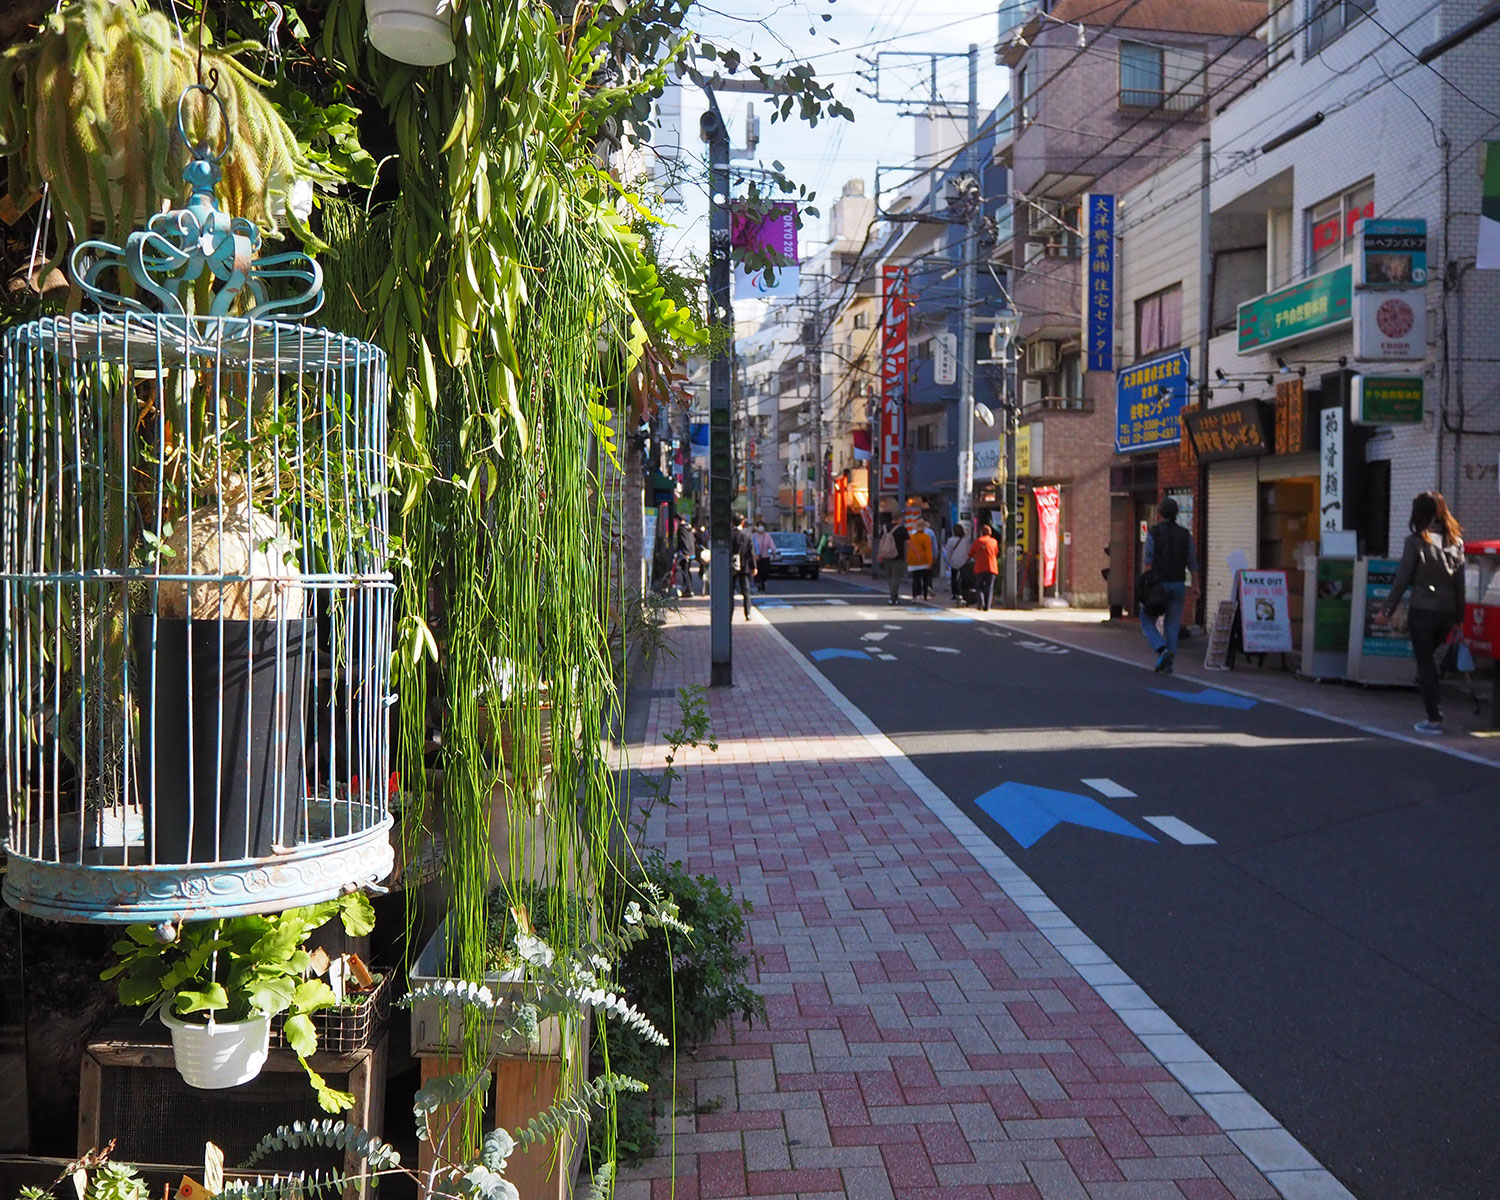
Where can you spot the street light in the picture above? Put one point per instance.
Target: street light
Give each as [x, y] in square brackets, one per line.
[1002, 334]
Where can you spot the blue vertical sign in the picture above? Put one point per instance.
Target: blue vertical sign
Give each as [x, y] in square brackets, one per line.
[1099, 299]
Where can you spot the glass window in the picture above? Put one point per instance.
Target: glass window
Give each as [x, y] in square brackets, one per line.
[1021, 113]
[1327, 20]
[861, 320]
[1164, 77]
[1070, 375]
[1158, 322]
[1280, 44]
[1330, 226]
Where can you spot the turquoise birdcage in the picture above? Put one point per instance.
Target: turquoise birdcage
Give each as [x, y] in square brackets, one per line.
[193, 552]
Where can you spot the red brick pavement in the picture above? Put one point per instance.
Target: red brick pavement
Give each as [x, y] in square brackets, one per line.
[923, 1039]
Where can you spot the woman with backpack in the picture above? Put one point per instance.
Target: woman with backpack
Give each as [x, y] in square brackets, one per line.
[1432, 566]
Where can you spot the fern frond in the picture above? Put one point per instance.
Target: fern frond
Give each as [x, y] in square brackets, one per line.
[298, 1185]
[574, 1107]
[602, 1185]
[618, 1007]
[459, 991]
[334, 1135]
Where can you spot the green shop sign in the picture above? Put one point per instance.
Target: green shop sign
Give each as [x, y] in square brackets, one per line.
[1387, 400]
[1315, 305]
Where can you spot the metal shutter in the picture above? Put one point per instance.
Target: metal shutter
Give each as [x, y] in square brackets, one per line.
[1232, 504]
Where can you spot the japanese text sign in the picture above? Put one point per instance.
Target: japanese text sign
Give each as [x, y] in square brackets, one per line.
[1099, 282]
[1331, 469]
[893, 375]
[1149, 396]
[1301, 310]
[1233, 431]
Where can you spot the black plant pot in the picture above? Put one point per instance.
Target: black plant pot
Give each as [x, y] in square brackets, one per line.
[233, 786]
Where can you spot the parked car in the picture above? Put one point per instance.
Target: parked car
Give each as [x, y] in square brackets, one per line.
[793, 556]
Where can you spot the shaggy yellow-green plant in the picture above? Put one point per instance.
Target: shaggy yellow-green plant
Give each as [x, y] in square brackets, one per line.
[89, 106]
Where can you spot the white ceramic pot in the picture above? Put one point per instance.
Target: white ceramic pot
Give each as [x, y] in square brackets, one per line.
[224, 1054]
[419, 32]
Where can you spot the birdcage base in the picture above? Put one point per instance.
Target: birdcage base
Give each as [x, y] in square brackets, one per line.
[102, 888]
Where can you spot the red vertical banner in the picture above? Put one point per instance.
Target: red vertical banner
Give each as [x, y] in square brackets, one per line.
[1048, 501]
[893, 373]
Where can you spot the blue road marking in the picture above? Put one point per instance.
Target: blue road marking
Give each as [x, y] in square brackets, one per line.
[1211, 697]
[820, 655]
[1028, 812]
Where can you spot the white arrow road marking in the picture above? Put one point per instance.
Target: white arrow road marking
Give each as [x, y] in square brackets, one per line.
[893, 627]
[1108, 787]
[1044, 647]
[943, 649]
[873, 637]
[1180, 831]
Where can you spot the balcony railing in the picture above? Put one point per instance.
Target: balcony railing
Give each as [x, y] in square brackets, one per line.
[1169, 100]
[1073, 404]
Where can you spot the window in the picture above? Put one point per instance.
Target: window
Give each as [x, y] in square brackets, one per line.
[1070, 375]
[861, 320]
[1021, 114]
[1158, 322]
[1165, 77]
[1327, 20]
[1330, 226]
[927, 438]
[1280, 44]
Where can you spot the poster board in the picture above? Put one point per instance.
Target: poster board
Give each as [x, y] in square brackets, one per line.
[1216, 657]
[1265, 616]
[1378, 652]
[1326, 612]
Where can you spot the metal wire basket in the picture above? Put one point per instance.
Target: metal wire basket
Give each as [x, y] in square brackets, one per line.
[352, 1025]
[193, 545]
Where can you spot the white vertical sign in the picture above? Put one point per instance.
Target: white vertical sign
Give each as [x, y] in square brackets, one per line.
[1331, 455]
[945, 359]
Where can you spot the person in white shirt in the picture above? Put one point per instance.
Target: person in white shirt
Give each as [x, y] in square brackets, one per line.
[764, 547]
[956, 557]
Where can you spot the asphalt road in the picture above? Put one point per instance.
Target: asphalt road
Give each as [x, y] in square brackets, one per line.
[1336, 948]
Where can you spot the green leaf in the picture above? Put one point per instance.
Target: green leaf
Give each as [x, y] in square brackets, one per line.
[357, 914]
[300, 1034]
[212, 998]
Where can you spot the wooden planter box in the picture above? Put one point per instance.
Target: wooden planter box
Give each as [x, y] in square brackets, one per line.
[527, 1076]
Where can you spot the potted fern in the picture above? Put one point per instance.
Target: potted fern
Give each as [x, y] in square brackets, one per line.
[218, 984]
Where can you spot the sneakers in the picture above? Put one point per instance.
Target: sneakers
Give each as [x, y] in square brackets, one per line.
[1430, 728]
[1163, 662]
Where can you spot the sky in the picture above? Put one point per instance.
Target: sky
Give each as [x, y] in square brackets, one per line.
[826, 157]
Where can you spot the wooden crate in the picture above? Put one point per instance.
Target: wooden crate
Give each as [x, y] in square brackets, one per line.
[129, 1090]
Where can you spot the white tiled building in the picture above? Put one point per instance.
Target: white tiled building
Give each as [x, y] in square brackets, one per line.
[1347, 124]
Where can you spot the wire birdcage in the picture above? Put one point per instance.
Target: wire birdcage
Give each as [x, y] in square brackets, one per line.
[193, 550]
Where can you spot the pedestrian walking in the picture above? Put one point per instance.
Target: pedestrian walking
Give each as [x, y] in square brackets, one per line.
[1169, 559]
[985, 555]
[704, 556]
[1432, 567]
[765, 546]
[921, 553]
[956, 559]
[741, 563]
[687, 552]
[891, 554]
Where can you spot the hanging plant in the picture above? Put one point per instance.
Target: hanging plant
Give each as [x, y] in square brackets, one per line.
[89, 108]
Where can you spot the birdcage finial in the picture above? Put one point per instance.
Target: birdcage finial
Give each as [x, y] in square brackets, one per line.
[169, 256]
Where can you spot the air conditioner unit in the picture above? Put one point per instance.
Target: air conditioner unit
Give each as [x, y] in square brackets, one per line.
[1041, 357]
[1031, 393]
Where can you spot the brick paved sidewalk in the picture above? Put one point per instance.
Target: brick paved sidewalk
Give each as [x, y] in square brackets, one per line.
[925, 1038]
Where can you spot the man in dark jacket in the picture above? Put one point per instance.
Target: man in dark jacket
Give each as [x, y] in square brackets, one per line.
[1169, 554]
[742, 562]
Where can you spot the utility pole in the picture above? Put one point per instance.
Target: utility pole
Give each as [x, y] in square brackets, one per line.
[966, 351]
[720, 413]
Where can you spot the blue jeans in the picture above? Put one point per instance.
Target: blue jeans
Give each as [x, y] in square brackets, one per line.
[1166, 638]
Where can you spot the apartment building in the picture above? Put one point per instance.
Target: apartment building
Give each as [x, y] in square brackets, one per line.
[1103, 96]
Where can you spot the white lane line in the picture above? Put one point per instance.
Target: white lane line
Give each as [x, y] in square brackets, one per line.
[874, 637]
[943, 649]
[862, 615]
[887, 657]
[893, 627]
[1180, 831]
[1108, 787]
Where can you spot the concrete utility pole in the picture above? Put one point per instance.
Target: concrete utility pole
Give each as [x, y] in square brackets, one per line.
[966, 351]
[720, 413]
